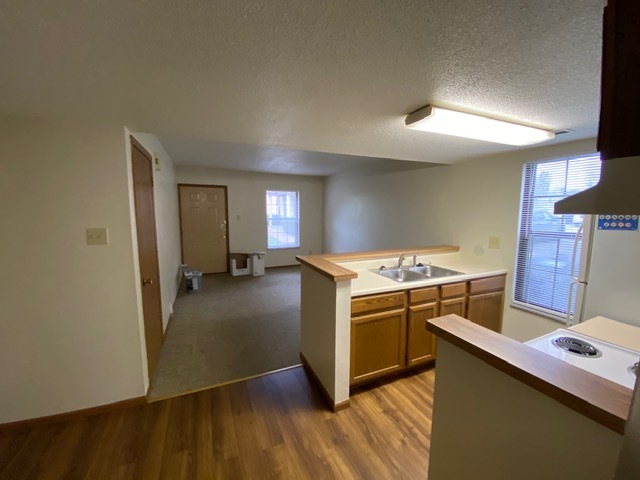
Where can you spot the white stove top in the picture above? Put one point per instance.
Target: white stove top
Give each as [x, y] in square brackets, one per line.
[614, 363]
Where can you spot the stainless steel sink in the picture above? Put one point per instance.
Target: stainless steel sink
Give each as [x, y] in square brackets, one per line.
[413, 274]
[400, 274]
[433, 271]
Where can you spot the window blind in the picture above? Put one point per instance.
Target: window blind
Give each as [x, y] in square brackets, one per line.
[545, 240]
[283, 219]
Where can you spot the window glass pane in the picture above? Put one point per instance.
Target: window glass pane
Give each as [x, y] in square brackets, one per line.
[545, 240]
[283, 219]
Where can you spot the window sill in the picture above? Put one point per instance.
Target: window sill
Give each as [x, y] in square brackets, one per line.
[541, 313]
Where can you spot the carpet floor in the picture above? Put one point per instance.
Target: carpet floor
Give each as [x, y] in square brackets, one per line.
[232, 328]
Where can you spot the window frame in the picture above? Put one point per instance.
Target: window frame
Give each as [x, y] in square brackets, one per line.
[526, 235]
[270, 218]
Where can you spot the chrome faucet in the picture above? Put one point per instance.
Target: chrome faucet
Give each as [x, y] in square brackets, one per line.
[401, 260]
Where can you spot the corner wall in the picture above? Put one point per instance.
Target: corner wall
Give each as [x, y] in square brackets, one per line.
[69, 330]
[460, 204]
[247, 209]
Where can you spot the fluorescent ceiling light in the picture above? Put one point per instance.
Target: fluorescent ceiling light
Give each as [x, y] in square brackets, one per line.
[449, 122]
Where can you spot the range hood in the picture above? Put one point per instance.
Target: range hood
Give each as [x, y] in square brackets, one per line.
[618, 191]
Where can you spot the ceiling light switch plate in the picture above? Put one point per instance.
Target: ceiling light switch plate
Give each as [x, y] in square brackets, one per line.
[97, 236]
[494, 242]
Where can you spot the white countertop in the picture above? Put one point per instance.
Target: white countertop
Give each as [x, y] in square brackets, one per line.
[611, 331]
[369, 282]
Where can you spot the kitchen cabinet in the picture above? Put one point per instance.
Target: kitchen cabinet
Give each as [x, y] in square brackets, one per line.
[453, 299]
[378, 336]
[388, 331]
[486, 300]
[421, 344]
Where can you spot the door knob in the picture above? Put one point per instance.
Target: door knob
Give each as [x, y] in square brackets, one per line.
[147, 281]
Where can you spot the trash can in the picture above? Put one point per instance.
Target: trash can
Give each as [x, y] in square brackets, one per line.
[193, 279]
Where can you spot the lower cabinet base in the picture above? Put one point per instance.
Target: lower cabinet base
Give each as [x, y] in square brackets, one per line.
[407, 372]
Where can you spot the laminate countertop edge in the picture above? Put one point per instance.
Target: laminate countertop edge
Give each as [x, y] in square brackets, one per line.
[325, 263]
[597, 398]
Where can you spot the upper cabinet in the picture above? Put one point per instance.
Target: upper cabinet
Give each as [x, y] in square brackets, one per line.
[620, 96]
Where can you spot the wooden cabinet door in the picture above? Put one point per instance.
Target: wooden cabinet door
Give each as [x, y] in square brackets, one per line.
[421, 344]
[456, 305]
[378, 344]
[486, 310]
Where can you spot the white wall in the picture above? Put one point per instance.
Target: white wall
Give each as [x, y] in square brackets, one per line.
[165, 193]
[69, 327]
[371, 210]
[461, 204]
[247, 210]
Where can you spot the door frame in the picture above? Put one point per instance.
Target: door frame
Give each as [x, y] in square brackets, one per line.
[137, 145]
[226, 214]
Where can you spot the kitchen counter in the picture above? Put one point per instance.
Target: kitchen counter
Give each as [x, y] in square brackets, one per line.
[597, 398]
[368, 282]
[610, 331]
[511, 411]
[330, 281]
[357, 267]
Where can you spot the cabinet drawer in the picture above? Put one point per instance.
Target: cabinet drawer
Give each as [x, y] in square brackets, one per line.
[453, 290]
[423, 295]
[486, 284]
[375, 303]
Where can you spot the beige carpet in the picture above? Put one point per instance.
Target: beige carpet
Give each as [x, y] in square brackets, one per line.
[233, 328]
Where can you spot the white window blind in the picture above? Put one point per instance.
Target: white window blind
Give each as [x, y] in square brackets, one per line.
[545, 240]
[283, 219]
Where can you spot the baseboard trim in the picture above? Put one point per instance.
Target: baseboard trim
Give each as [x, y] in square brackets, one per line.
[333, 406]
[282, 266]
[66, 416]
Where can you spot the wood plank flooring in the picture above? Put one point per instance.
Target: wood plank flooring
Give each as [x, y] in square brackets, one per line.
[271, 427]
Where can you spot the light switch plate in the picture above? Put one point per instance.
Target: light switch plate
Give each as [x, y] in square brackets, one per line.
[494, 242]
[97, 236]
[156, 163]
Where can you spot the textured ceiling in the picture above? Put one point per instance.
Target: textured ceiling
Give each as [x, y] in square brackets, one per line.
[321, 76]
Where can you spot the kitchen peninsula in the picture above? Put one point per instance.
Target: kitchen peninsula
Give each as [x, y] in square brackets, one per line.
[357, 324]
[512, 411]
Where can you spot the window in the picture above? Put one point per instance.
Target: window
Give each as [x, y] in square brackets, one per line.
[283, 219]
[545, 240]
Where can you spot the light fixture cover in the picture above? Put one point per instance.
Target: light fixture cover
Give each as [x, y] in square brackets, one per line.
[459, 124]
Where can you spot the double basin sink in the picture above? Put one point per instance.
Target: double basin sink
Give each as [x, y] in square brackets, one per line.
[413, 274]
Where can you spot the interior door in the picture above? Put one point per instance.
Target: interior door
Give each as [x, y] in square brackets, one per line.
[147, 252]
[203, 225]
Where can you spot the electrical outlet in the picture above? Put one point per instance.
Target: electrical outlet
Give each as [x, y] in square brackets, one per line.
[494, 242]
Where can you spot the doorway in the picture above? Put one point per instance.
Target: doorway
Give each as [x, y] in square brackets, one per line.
[142, 173]
[203, 227]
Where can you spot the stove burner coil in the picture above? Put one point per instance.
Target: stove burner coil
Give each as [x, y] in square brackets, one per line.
[577, 347]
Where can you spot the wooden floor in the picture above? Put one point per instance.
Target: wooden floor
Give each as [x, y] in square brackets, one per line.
[274, 426]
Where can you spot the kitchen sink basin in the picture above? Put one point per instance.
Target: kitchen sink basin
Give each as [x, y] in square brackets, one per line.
[433, 271]
[413, 274]
[400, 274]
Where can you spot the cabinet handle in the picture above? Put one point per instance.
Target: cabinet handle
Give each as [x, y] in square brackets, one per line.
[147, 281]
